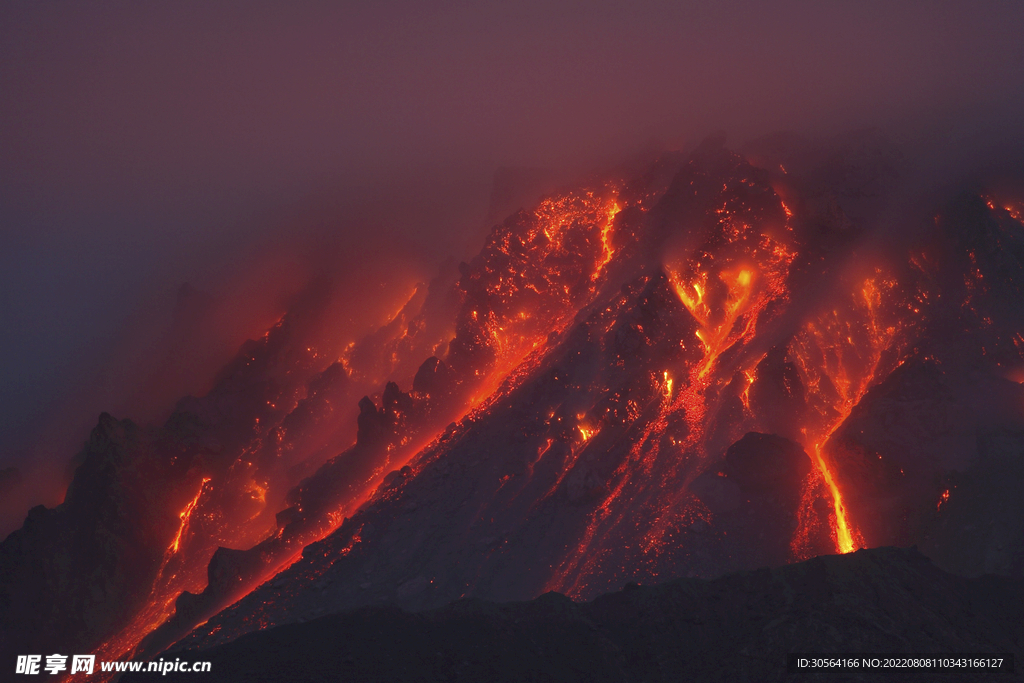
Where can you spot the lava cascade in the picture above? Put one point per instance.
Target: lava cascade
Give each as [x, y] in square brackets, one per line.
[682, 420]
[533, 273]
[647, 361]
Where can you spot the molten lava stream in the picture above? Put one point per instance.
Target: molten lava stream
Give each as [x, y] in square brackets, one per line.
[185, 515]
[843, 531]
[721, 326]
[519, 344]
[717, 336]
[607, 252]
[843, 352]
[633, 476]
[160, 604]
[846, 537]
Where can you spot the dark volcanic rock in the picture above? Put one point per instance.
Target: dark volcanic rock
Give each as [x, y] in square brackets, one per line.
[754, 496]
[70, 573]
[762, 463]
[736, 628]
[433, 378]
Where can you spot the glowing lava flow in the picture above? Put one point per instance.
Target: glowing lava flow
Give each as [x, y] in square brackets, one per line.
[749, 376]
[727, 285]
[840, 357]
[528, 283]
[716, 338]
[844, 533]
[717, 334]
[606, 246]
[165, 590]
[186, 514]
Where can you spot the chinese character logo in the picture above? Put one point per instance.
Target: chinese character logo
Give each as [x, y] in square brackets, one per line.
[28, 664]
[83, 663]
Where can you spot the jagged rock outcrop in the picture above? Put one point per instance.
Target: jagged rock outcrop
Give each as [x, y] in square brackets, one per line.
[70, 574]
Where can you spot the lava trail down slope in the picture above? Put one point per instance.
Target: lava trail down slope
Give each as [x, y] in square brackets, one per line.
[716, 363]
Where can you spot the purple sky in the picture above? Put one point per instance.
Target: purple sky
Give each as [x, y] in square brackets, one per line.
[143, 144]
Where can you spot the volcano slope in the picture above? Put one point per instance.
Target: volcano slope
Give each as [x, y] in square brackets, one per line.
[696, 416]
[735, 628]
[706, 366]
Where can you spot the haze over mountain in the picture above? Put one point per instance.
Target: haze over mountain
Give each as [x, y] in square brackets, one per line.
[147, 146]
[384, 305]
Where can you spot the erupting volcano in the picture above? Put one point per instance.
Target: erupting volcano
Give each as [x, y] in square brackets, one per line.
[702, 367]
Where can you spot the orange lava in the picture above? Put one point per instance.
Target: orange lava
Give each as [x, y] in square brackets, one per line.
[186, 514]
[525, 294]
[726, 302]
[716, 331]
[840, 357]
[607, 251]
[750, 377]
[844, 532]
[541, 269]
